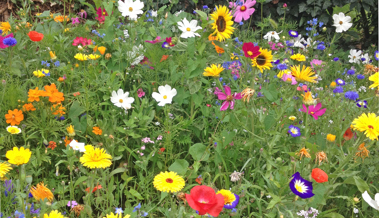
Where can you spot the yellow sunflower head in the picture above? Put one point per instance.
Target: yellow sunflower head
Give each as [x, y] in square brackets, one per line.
[263, 61]
[368, 123]
[18, 156]
[117, 215]
[40, 192]
[214, 70]
[223, 23]
[4, 169]
[53, 214]
[229, 197]
[95, 158]
[168, 182]
[304, 74]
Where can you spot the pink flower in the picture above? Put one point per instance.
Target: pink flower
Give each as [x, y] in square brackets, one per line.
[75, 20]
[156, 40]
[229, 98]
[83, 14]
[289, 78]
[314, 110]
[72, 204]
[243, 11]
[305, 88]
[101, 14]
[81, 40]
[140, 93]
[2, 38]
[284, 5]
[159, 137]
[143, 147]
[316, 63]
[217, 91]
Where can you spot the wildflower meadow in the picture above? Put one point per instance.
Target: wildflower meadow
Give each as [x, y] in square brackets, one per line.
[130, 108]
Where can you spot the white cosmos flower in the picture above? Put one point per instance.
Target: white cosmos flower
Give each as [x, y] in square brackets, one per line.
[130, 8]
[121, 99]
[373, 203]
[355, 56]
[366, 58]
[188, 28]
[165, 95]
[297, 42]
[341, 22]
[272, 34]
[77, 146]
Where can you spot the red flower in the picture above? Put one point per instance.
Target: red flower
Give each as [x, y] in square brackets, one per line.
[101, 14]
[161, 150]
[94, 189]
[205, 200]
[348, 134]
[35, 36]
[250, 50]
[319, 175]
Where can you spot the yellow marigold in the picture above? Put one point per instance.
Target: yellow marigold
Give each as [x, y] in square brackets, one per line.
[53, 214]
[41, 192]
[168, 182]
[333, 84]
[308, 99]
[95, 158]
[303, 74]
[214, 70]
[368, 123]
[298, 57]
[303, 152]
[93, 56]
[41, 73]
[5, 27]
[28, 107]
[71, 130]
[18, 156]
[374, 78]
[4, 169]
[61, 18]
[58, 109]
[330, 137]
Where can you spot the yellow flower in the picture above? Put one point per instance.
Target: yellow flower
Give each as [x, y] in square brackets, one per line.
[168, 182]
[71, 130]
[263, 61]
[222, 23]
[229, 197]
[282, 72]
[93, 56]
[41, 73]
[95, 158]
[333, 84]
[308, 99]
[4, 169]
[18, 156]
[292, 118]
[214, 70]
[5, 27]
[375, 79]
[118, 215]
[330, 137]
[13, 130]
[41, 192]
[52, 55]
[53, 214]
[304, 74]
[81, 57]
[298, 57]
[67, 30]
[368, 123]
[232, 56]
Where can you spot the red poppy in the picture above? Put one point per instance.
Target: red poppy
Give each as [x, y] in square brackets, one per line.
[94, 189]
[199, 180]
[35, 36]
[319, 175]
[348, 134]
[161, 150]
[205, 200]
[250, 50]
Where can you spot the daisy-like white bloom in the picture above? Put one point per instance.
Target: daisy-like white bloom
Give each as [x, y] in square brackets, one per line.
[355, 56]
[298, 41]
[365, 58]
[165, 95]
[341, 22]
[77, 146]
[154, 13]
[121, 99]
[136, 55]
[130, 8]
[188, 28]
[373, 203]
[272, 34]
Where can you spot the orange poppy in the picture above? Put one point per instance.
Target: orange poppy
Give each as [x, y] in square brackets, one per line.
[52, 145]
[28, 107]
[35, 36]
[97, 130]
[319, 175]
[348, 134]
[94, 189]
[14, 117]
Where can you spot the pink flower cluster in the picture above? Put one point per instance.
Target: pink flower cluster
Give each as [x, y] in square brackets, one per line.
[272, 45]
[101, 14]
[236, 68]
[147, 140]
[140, 93]
[81, 40]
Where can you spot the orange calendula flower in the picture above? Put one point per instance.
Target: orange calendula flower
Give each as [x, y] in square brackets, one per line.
[34, 94]
[320, 157]
[58, 109]
[28, 107]
[102, 50]
[362, 151]
[67, 141]
[41, 192]
[52, 145]
[97, 130]
[54, 95]
[303, 152]
[14, 117]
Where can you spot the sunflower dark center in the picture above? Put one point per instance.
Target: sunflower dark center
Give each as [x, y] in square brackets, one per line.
[169, 180]
[221, 24]
[261, 60]
[229, 98]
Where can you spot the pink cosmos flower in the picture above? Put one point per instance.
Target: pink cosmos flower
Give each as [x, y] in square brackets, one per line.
[228, 97]
[75, 20]
[83, 14]
[156, 40]
[140, 93]
[2, 38]
[243, 11]
[314, 110]
[317, 63]
[289, 78]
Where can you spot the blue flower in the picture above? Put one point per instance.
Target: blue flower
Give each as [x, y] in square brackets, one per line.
[241, 23]
[119, 210]
[220, 79]
[360, 76]
[276, 62]
[235, 77]
[320, 24]
[259, 94]
[43, 62]
[234, 203]
[363, 59]
[351, 95]
[336, 59]
[314, 21]
[1, 31]
[137, 207]
[361, 103]
[34, 211]
[160, 22]
[19, 214]
[46, 74]
[294, 131]
[293, 33]
[282, 67]
[301, 187]
[340, 82]
[350, 72]
[376, 55]
[338, 89]
[144, 214]
[57, 63]
[10, 41]
[320, 46]
[205, 7]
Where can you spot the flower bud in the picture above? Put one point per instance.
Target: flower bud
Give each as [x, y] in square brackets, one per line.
[108, 56]
[324, 29]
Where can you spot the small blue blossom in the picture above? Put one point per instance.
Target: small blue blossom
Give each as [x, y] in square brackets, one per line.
[320, 24]
[282, 67]
[10, 41]
[320, 46]
[350, 72]
[338, 89]
[360, 76]
[119, 210]
[220, 79]
[241, 23]
[351, 95]
[205, 7]
[336, 59]
[144, 214]
[57, 63]
[137, 207]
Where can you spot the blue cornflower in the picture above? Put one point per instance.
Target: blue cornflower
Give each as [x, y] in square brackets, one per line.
[57, 63]
[376, 55]
[43, 62]
[282, 67]
[235, 77]
[144, 214]
[220, 79]
[294, 131]
[320, 46]
[241, 23]
[360, 76]
[361, 103]
[10, 41]
[336, 59]
[137, 207]
[160, 22]
[351, 95]
[351, 72]
[320, 24]
[119, 210]
[340, 82]
[338, 89]
[276, 62]
[205, 7]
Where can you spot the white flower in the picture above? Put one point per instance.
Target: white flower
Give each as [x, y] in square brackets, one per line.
[157, 123]
[366, 58]
[355, 56]
[341, 22]
[136, 55]
[165, 95]
[126, 34]
[77, 146]
[178, 12]
[331, 121]
[188, 28]
[268, 196]
[154, 13]
[272, 34]
[130, 8]
[121, 99]
[355, 210]
[297, 42]
[373, 203]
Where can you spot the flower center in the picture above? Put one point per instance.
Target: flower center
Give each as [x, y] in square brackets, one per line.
[371, 127]
[169, 180]
[250, 53]
[130, 9]
[13, 116]
[120, 100]
[273, 33]
[312, 112]
[104, 11]
[188, 29]
[341, 22]
[165, 97]
[13, 131]
[229, 98]
[243, 8]
[19, 160]
[261, 60]
[354, 57]
[221, 24]
[203, 202]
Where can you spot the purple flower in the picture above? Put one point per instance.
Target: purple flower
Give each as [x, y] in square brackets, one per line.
[233, 204]
[338, 89]
[10, 41]
[228, 97]
[75, 20]
[336, 59]
[350, 72]
[293, 33]
[294, 131]
[72, 204]
[361, 103]
[340, 82]
[301, 187]
[351, 95]
[360, 76]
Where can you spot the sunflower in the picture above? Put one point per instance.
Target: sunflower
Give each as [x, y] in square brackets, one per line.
[5, 27]
[53, 214]
[40, 192]
[4, 169]
[368, 123]
[168, 182]
[117, 215]
[222, 23]
[304, 74]
[214, 70]
[298, 57]
[263, 61]
[95, 158]
[18, 157]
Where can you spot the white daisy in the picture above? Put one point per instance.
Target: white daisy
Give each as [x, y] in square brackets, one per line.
[121, 99]
[373, 203]
[165, 95]
[272, 34]
[130, 8]
[77, 146]
[188, 28]
[355, 56]
[341, 22]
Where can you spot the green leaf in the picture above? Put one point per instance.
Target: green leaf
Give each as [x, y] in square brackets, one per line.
[271, 95]
[269, 120]
[319, 198]
[197, 152]
[75, 110]
[136, 194]
[194, 86]
[118, 170]
[333, 215]
[274, 201]
[180, 166]
[202, 15]
[152, 31]
[302, 7]
[80, 180]
[360, 183]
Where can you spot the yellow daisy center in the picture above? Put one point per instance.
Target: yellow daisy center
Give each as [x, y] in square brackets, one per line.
[243, 8]
[120, 100]
[299, 188]
[221, 24]
[13, 130]
[250, 53]
[188, 29]
[312, 112]
[165, 97]
[130, 9]
[104, 12]
[273, 33]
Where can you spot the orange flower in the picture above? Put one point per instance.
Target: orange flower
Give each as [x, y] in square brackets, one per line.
[60, 79]
[61, 18]
[52, 145]
[303, 152]
[54, 95]
[348, 134]
[94, 189]
[95, 49]
[219, 50]
[102, 50]
[164, 57]
[97, 130]
[34, 94]
[362, 151]
[35, 36]
[198, 180]
[211, 37]
[14, 117]
[67, 141]
[58, 109]
[28, 107]
[76, 94]
[321, 156]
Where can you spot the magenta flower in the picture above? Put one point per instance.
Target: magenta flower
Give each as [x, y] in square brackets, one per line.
[156, 40]
[83, 14]
[228, 97]
[289, 78]
[101, 14]
[314, 110]
[75, 20]
[2, 38]
[243, 11]
[80, 40]
[140, 93]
